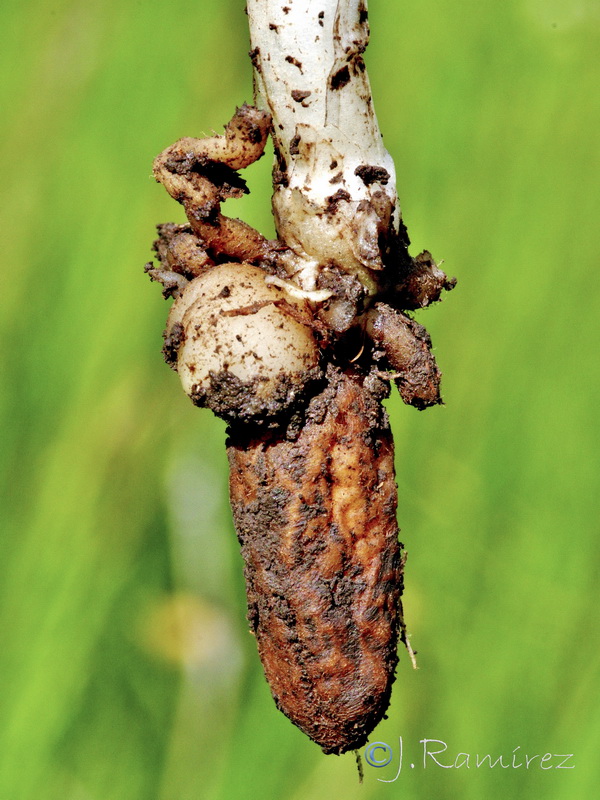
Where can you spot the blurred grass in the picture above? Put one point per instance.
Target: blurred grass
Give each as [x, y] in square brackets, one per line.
[125, 667]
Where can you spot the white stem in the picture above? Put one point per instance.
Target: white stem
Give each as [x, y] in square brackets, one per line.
[310, 75]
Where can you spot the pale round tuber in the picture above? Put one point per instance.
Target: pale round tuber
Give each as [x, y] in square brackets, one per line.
[241, 347]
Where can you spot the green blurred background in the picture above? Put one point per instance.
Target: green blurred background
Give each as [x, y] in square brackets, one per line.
[126, 668]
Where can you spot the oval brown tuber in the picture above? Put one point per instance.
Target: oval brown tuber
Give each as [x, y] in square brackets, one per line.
[316, 519]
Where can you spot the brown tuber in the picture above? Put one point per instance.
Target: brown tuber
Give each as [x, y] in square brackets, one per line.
[316, 519]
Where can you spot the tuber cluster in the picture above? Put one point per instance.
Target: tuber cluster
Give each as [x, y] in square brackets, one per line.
[296, 356]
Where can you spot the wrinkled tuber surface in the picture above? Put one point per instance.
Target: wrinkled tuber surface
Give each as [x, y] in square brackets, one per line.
[296, 356]
[316, 519]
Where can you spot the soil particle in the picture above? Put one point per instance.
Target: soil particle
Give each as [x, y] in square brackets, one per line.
[294, 61]
[371, 174]
[334, 200]
[255, 58]
[298, 95]
[340, 78]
